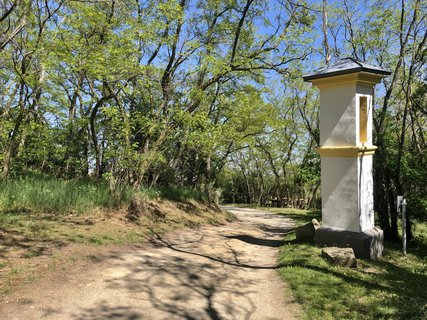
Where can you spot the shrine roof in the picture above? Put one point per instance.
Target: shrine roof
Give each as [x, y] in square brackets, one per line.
[345, 66]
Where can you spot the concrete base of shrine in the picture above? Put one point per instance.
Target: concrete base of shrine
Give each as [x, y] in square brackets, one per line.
[366, 245]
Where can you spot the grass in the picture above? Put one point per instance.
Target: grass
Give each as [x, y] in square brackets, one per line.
[30, 230]
[43, 194]
[392, 287]
[37, 211]
[48, 195]
[300, 216]
[42, 208]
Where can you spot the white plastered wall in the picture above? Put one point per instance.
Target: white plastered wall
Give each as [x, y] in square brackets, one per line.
[338, 116]
[347, 184]
[366, 197]
[340, 208]
[347, 193]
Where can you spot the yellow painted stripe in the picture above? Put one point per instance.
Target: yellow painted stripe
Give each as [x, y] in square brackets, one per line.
[346, 151]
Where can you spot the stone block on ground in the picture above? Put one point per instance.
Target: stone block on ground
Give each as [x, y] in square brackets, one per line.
[307, 231]
[343, 257]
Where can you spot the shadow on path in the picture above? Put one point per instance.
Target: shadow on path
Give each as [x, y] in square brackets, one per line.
[160, 240]
[181, 288]
[257, 241]
[104, 311]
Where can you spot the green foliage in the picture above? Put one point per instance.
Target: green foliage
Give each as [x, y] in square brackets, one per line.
[278, 164]
[116, 87]
[180, 194]
[201, 95]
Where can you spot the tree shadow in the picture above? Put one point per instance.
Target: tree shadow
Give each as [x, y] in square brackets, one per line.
[67, 219]
[257, 241]
[103, 311]
[407, 286]
[184, 289]
[302, 263]
[13, 240]
[182, 280]
[279, 231]
[159, 241]
[401, 289]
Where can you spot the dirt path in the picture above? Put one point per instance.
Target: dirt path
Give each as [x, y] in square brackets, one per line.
[226, 272]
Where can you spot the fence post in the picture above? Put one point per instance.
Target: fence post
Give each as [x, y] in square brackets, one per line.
[404, 226]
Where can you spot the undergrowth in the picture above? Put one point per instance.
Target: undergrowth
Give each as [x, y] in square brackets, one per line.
[49, 195]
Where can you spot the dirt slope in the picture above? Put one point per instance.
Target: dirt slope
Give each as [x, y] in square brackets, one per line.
[225, 272]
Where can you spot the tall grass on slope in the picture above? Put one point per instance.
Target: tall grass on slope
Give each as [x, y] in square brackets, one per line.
[50, 195]
[41, 194]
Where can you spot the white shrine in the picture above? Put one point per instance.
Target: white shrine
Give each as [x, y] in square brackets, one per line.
[346, 150]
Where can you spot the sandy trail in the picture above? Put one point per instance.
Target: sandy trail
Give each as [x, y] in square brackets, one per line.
[225, 272]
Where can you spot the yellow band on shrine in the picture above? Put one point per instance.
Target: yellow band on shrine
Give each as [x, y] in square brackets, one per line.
[346, 151]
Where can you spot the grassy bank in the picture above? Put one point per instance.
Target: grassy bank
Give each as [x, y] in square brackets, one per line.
[392, 287]
[48, 195]
[46, 224]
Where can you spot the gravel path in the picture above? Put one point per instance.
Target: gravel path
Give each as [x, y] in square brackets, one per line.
[225, 272]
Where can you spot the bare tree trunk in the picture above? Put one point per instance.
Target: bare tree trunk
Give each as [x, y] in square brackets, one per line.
[325, 33]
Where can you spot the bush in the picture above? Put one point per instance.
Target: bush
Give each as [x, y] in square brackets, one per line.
[417, 208]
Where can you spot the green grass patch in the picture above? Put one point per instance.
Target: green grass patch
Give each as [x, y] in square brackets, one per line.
[102, 239]
[298, 215]
[42, 194]
[48, 195]
[9, 219]
[32, 254]
[5, 290]
[392, 287]
[29, 279]
[14, 271]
